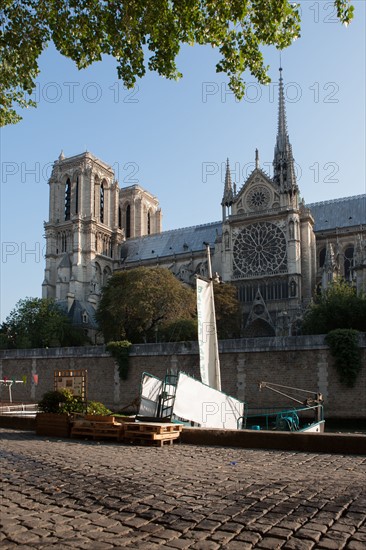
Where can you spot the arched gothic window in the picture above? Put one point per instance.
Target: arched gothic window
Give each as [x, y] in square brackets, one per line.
[227, 240]
[291, 229]
[107, 273]
[98, 275]
[102, 203]
[63, 242]
[322, 254]
[77, 195]
[67, 199]
[95, 197]
[270, 290]
[106, 245]
[293, 288]
[148, 223]
[119, 218]
[128, 221]
[348, 262]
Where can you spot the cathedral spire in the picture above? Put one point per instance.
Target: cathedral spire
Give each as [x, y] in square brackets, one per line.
[228, 197]
[283, 162]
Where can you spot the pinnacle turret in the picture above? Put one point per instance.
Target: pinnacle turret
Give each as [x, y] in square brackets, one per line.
[283, 162]
[227, 199]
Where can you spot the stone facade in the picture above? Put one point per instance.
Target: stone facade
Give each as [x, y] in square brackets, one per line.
[302, 362]
[89, 218]
[272, 246]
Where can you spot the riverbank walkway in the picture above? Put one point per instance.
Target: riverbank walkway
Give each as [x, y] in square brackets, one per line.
[59, 494]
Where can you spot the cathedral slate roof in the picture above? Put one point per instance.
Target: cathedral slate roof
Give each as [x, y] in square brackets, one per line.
[76, 312]
[65, 262]
[344, 212]
[168, 243]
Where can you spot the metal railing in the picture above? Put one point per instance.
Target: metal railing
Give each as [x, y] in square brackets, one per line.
[20, 409]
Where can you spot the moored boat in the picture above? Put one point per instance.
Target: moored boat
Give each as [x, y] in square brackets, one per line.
[181, 398]
[307, 416]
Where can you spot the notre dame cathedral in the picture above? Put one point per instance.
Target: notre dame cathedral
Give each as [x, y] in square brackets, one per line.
[274, 248]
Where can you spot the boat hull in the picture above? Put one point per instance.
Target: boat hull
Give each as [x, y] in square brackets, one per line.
[318, 427]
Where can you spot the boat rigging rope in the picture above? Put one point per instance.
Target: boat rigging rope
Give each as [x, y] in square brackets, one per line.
[269, 385]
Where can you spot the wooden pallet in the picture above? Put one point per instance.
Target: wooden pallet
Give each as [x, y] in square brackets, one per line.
[151, 442]
[152, 428]
[97, 430]
[151, 433]
[151, 436]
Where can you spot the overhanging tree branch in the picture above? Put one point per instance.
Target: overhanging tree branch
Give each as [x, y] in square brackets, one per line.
[140, 35]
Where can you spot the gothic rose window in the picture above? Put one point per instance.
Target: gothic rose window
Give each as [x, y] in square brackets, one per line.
[259, 249]
[258, 198]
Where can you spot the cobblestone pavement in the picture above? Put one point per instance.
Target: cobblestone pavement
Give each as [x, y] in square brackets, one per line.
[61, 494]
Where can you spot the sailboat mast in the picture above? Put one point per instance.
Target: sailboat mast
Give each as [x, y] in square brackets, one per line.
[216, 341]
[209, 266]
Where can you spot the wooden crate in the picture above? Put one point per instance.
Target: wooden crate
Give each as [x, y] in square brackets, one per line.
[52, 424]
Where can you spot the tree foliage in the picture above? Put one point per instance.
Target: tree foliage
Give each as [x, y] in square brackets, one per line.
[136, 302]
[141, 34]
[227, 309]
[39, 323]
[228, 318]
[338, 307]
[183, 330]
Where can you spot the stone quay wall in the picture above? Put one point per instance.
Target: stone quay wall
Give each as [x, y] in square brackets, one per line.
[301, 362]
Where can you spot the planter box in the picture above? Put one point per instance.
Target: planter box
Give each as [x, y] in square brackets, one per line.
[53, 425]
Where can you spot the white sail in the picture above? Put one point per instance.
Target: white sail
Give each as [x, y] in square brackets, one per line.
[207, 335]
[206, 406]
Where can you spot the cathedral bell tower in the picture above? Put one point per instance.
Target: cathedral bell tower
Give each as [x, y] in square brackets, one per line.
[82, 234]
[89, 218]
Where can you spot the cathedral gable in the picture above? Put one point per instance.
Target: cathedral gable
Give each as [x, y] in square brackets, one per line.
[257, 195]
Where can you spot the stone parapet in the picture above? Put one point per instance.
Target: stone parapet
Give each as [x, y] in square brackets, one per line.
[300, 362]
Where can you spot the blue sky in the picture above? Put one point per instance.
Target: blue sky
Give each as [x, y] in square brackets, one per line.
[173, 138]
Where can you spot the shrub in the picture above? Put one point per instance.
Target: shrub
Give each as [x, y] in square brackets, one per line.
[95, 407]
[338, 307]
[64, 401]
[120, 351]
[52, 402]
[344, 348]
